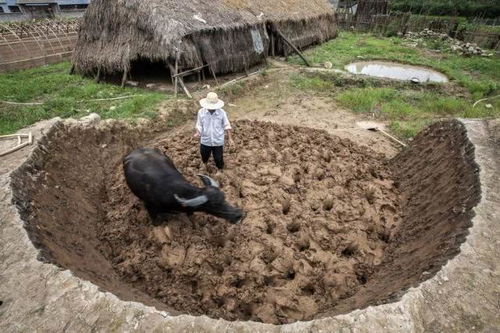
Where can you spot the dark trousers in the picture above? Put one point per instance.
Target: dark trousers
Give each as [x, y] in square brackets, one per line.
[217, 152]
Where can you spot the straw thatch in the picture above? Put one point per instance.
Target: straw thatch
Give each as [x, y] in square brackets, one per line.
[229, 35]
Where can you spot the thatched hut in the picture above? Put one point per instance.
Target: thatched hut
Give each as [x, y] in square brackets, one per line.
[227, 35]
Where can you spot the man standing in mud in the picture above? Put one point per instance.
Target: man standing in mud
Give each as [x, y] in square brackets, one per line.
[211, 125]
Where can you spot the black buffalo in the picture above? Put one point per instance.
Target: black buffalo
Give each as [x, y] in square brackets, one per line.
[153, 178]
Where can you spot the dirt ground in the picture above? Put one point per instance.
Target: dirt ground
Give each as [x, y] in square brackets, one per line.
[320, 212]
[272, 99]
[276, 102]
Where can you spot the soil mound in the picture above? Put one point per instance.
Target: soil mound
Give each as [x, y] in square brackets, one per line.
[320, 214]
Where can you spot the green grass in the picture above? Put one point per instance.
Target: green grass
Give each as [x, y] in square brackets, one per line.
[316, 84]
[65, 96]
[407, 110]
[480, 75]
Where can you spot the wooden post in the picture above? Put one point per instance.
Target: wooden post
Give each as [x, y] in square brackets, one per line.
[170, 70]
[173, 74]
[293, 47]
[98, 75]
[176, 71]
[246, 65]
[273, 48]
[124, 78]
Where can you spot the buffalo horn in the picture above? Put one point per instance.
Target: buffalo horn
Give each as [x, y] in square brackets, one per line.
[208, 181]
[195, 202]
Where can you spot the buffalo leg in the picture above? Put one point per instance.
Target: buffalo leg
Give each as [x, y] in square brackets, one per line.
[153, 215]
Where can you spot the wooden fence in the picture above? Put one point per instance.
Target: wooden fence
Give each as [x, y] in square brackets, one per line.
[31, 44]
[374, 16]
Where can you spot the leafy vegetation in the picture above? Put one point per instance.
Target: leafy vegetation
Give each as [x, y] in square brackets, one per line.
[463, 24]
[65, 96]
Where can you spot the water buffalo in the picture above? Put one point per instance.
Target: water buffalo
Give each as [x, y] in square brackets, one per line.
[153, 178]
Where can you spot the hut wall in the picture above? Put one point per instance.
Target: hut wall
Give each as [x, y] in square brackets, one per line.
[305, 33]
[226, 51]
[116, 47]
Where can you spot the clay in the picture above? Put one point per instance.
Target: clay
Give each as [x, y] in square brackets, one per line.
[316, 228]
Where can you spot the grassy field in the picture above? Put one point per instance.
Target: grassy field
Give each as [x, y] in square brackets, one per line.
[407, 110]
[65, 96]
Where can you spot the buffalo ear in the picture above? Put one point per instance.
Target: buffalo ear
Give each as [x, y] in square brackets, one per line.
[208, 181]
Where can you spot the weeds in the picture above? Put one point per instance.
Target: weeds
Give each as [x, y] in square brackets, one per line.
[315, 83]
[410, 111]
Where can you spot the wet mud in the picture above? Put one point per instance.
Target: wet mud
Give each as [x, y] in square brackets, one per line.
[320, 212]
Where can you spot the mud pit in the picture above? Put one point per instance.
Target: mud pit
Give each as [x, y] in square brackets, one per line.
[331, 226]
[320, 214]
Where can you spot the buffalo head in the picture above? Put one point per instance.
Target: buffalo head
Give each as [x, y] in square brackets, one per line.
[212, 201]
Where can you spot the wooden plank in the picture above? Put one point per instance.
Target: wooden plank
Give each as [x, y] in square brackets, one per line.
[213, 74]
[240, 78]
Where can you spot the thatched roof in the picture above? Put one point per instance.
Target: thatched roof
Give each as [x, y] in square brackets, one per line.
[116, 31]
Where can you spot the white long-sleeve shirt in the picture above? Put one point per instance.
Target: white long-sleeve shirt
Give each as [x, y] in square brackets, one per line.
[212, 126]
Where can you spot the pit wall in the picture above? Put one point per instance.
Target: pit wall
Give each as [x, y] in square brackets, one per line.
[439, 181]
[437, 176]
[52, 223]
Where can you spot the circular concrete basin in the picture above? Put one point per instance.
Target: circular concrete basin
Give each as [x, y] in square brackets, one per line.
[331, 226]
